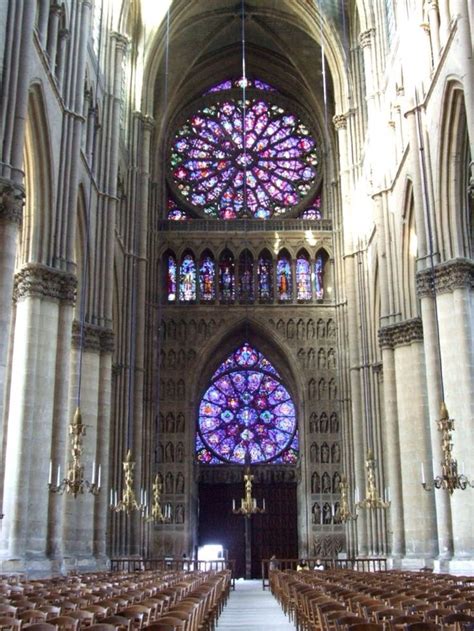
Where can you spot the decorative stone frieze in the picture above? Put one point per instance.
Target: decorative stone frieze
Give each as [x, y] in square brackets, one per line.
[95, 338]
[445, 278]
[401, 333]
[233, 475]
[12, 198]
[365, 38]
[339, 121]
[35, 280]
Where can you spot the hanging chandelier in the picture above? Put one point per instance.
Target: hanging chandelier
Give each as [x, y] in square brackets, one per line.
[248, 504]
[74, 483]
[450, 479]
[159, 514]
[343, 513]
[128, 503]
[372, 499]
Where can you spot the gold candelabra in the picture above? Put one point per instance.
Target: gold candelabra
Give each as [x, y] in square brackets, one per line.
[450, 479]
[128, 503]
[343, 513]
[157, 514]
[248, 504]
[372, 499]
[74, 483]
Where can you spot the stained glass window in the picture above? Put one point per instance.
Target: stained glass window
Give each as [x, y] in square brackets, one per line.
[175, 213]
[264, 271]
[240, 83]
[171, 278]
[247, 414]
[227, 277]
[313, 211]
[246, 293]
[207, 276]
[213, 154]
[319, 276]
[284, 283]
[303, 277]
[187, 279]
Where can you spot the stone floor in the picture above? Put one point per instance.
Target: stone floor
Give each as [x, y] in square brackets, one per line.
[249, 608]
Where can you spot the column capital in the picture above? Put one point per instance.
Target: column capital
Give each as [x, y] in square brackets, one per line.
[95, 338]
[401, 333]
[12, 199]
[57, 9]
[432, 5]
[339, 121]
[148, 122]
[35, 280]
[121, 40]
[445, 278]
[365, 38]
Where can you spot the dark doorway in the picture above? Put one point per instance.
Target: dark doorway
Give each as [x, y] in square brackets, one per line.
[274, 532]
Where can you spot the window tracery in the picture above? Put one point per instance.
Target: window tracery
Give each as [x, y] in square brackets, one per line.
[246, 414]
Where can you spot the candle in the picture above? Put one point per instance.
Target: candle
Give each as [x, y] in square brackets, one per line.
[111, 497]
[145, 502]
[98, 481]
[422, 474]
[233, 504]
[263, 503]
[50, 476]
[93, 472]
[356, 494]
[59, 475]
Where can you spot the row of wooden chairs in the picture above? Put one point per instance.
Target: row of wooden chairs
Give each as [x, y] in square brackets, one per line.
[121, 601]
[338, 600]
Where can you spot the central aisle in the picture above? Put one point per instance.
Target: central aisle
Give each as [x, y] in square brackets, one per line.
[249, 608]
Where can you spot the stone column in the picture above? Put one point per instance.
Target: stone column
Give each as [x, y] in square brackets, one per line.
[53, 33]
[433, 378]
[39, 291]
[433, 17]
[43, 18]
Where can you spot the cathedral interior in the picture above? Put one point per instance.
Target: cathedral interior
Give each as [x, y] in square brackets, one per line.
[236, 236]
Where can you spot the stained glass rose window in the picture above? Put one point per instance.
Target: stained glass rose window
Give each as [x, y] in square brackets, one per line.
[247, 414]
[229, 161]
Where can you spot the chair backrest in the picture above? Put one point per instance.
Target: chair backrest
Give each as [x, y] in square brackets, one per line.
[121, 622]
[65, 623]
[8, 610]
[7, 622]
[101, 626]
[40, 626]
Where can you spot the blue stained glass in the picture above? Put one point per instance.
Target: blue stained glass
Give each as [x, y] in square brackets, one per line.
[313, 212]
[226, 278]
[207, 273]
[246, 413]
[171, 278]
[187, 279]
[264, 272]
[284, 278]
[273, 170]
[319, 276]
[303, 278]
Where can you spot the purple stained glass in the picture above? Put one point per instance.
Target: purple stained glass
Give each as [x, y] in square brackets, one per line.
[171, 272]
[319, 276]
[313, 211]
[284, 278]
[226, 277]
[246, 277]
[175, 213]
[241, 83]
[246, 413]
[264, 271]
[207, 274]
[187, 279]
[228, 168]
[303, 278]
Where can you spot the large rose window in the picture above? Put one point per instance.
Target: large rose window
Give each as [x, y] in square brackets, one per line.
[226, 169]
[246, 415]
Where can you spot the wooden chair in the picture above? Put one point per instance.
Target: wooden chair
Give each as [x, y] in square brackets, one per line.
[422, 626]
[8, 610]
[102, 626]
[40, 626]
[185, 616]
[50, 610]
[176, 624]
[86, 618]
[8, 622]
[345, 620]
[100, 612]
[456, 621]
[65, 623]
[31, 616]
[398, 622]
[161, 626]
[121, 622]
[366, 626]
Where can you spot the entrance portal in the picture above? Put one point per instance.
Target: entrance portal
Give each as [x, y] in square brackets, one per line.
[273, 532]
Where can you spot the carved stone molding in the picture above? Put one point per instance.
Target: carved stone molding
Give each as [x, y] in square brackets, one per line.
[365, 38]
[446, 277]
[121, 41]
[339, 121]
[328, 546]
[12, 198]
[231, 475]
[95, 338]
[40, 281]
[401, 333]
